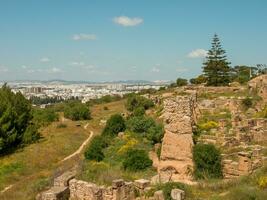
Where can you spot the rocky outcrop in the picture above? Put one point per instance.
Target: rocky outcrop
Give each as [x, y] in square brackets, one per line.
[179, 115]
[259, 84]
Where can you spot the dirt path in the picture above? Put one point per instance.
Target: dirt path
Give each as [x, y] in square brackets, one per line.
[80, 148]
[66, 158]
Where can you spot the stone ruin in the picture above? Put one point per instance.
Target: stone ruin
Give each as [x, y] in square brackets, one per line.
[179, 115]
[66, 187]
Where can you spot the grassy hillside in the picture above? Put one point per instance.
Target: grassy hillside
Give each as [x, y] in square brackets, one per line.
[31, 169]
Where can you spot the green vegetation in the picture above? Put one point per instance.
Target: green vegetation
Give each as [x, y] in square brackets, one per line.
[181, 82]
[198, 80]
[16, 125]
[136, 159]
[216, 68]
[44, 117]
[75, 110]
[31, 169]
[136, 101]
[247, 103]
[140, 124]
[95, 149]
[114, 125]
[263, 113]
[207, 161]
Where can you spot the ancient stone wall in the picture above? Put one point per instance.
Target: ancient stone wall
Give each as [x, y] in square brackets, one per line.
[176, 153]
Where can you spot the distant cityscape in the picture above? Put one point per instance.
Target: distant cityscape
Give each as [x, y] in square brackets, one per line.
[83, 91]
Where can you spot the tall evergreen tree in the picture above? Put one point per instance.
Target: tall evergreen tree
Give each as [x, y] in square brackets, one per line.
[216, 67]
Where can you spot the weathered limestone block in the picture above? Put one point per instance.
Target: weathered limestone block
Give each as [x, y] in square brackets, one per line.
[244, 163]
[81, 190]
[64, 179]
[158, 195]
[177, 194]
[176, 147]
[55, 193]
[142, 183]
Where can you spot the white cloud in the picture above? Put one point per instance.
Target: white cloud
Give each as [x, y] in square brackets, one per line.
[75, 63]
[45, 59]
[24, 67]
[198, 53]
[127, 21]
[3, 69]
[54, 70]
[155, 69]
[83, 36]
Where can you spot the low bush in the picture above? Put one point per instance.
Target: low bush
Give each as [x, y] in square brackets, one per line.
[114, 125]
[95, 149]
[247, 102]
[262, 182]
[75, 110]
[140, 124]
[139, 111]
[136, 160]
[181, 82]
[134, 101]
[207, 161]
[208, 125]
[155, 133]
[263, 113]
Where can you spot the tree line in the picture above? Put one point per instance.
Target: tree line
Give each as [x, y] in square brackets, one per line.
[218, 72]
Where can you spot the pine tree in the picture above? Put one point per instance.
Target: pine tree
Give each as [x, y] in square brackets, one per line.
[216, 68]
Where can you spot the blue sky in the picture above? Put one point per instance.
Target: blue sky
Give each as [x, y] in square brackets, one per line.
[101, 40]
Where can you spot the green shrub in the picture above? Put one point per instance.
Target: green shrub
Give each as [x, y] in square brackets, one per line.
[140, 124]
[263, 113]
[139, 111]
[44, 117]
[95, 149]
[181, 82]
[75, 110]
[247, 102]
[114, 125]
[135, 101]
[155, 133]
[207, 161]
[206, 126]
[136, 160]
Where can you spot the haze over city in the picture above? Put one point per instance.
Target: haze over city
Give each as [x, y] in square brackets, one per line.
[101, 40]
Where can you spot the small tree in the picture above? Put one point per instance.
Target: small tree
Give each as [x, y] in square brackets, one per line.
[136, 160]
[198, 80]
[75, 110]
[95, 149]
[140, 124]
[181, 82]
[207, 161]
[216, 68]
[115, 124]
[136, 101]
